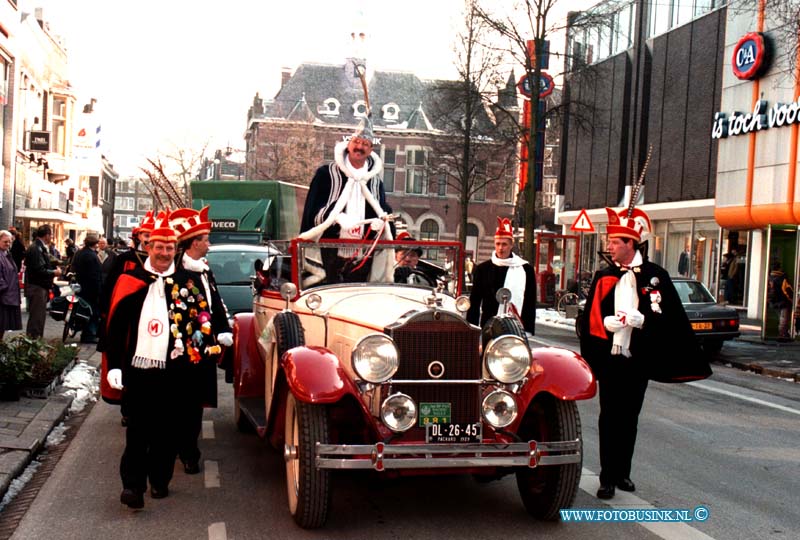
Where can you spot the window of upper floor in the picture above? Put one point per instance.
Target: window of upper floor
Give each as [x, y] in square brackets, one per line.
[360, 109]
[329, 107]
[391, 112]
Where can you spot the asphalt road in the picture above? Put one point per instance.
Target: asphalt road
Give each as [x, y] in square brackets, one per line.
[729, 444]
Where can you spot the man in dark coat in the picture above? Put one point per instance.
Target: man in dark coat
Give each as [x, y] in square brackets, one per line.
[138, 349]
[634, 329]
[88, 274]
[17, 248]
[341, 194]
[202, 327]
[39, 275]
[505, 269]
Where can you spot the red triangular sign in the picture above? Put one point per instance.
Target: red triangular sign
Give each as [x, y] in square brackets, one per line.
[582, 223]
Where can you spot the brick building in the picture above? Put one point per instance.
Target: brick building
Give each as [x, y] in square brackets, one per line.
[291, 135]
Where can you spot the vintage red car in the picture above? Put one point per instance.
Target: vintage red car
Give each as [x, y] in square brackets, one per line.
[391, 377]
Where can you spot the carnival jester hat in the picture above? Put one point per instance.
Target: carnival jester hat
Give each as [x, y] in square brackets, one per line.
[631, 222]
[365, 129]
[162, 231]
[504, 229]
[189, 222]
[147, 224]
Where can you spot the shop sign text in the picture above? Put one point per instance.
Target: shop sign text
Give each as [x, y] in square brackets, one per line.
[779, 115]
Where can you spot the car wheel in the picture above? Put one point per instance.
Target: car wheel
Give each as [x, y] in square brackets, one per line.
[578, 322]
[546, 489]
[502, 326]
[712, 346]
[288, 332]
[308, 488]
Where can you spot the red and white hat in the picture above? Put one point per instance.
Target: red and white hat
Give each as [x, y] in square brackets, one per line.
[504, 229]
[633, 223]
[147, 224]
[189, 222]
[162, 232]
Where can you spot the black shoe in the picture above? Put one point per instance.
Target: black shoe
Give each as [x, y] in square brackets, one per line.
[159, 493]
[133, 499]
[191, 467]
[626, 484]
[606, 491]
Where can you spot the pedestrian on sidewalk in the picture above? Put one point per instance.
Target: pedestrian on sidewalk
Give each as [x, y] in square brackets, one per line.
[39, 275]
[17, 248]
[780, 295]
[10, 314]
[200, 330]
[138, 347]
[88, 274]
[635, 330]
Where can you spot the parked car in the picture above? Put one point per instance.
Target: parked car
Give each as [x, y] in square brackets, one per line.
[233, 267]
[713, 323]
[391, 377]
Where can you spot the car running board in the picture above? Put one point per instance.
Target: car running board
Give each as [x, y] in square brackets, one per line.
[253, 409]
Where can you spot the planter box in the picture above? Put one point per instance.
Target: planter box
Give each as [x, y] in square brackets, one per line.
[43, 390]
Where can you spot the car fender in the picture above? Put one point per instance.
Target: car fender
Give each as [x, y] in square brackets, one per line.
[315, 375]
[248, 367]
[560, 372]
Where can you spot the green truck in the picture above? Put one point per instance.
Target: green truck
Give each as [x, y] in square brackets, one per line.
[250, 211]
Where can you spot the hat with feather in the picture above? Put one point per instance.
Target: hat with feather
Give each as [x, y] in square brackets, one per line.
[162, 231]
[631, 222]
[365, 129]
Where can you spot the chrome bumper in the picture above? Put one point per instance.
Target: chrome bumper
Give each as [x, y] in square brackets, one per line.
[382, 456]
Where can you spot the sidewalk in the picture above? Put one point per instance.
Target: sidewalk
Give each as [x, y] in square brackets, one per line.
[25, 424]
[766, 357]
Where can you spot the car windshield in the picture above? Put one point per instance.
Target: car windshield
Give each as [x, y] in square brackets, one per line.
[693, 292]
[235, 266]
[362, 262]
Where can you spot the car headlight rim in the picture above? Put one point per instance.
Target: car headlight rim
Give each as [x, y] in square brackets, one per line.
[508, 359]
[375, 358]
[499, 408]
[403, 404]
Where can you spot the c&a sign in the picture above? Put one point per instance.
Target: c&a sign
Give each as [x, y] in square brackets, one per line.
[750, 56]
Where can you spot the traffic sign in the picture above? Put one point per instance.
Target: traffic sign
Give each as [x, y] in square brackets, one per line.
[582, 223]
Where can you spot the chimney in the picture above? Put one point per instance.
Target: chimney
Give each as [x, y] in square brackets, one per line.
[286, 74]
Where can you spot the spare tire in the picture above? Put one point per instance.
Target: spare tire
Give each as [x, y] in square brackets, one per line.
[502, 325]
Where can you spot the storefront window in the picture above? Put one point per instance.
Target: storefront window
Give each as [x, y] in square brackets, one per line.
[679, 258]
[657, 243]
[733, 267]
[705, 253]
[780, 301]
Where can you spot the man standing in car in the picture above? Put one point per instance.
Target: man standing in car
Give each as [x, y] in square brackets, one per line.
[194, 372]
[634, 330]
[504, 269]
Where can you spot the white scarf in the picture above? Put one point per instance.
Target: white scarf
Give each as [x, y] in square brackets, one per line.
[201, 267]
[625, 298]
[356, 180]
[152, 341]
[515, 279]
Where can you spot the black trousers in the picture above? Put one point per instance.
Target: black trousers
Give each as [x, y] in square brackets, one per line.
[149, 439]
[622, 389]
[189, 425]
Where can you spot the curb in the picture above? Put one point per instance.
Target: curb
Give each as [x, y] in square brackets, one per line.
[21, 450]
[761, 370]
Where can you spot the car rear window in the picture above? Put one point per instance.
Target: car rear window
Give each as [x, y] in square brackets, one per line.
[693, 292]
[235, 267]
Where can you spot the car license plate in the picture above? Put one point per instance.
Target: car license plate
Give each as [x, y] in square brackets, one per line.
[453, 433]
[433, 413]
[702, 326]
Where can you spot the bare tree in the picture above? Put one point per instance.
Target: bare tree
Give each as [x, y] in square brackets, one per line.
[474, 150]
[183, 164]
[291, 154]
[529, 22]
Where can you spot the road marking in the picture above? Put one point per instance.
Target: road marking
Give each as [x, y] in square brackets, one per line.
[627, 501]
[211, 469]
[217, 531]
[707, 386]
[208, 429]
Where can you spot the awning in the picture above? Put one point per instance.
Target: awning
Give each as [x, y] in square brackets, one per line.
[47, 215]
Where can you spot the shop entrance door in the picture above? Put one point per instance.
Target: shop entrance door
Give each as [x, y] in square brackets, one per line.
[779, 322]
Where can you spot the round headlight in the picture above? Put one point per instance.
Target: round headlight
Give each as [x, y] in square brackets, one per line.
[375, 358]
[499, 408]
[462, 304]
[313, 301]
[508, 359]
[399, 412]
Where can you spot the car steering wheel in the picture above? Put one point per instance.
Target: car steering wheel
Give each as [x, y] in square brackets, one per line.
[418, 277]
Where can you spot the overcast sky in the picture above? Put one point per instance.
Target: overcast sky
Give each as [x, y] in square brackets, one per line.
[172, 73]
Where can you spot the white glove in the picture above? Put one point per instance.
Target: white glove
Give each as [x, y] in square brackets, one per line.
[376, 224]
[345, 221]
[613, 323]
[225, 338]
[114, 378]
[634, 318]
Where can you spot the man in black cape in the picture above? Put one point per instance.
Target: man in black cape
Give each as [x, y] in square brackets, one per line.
[634, 330]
